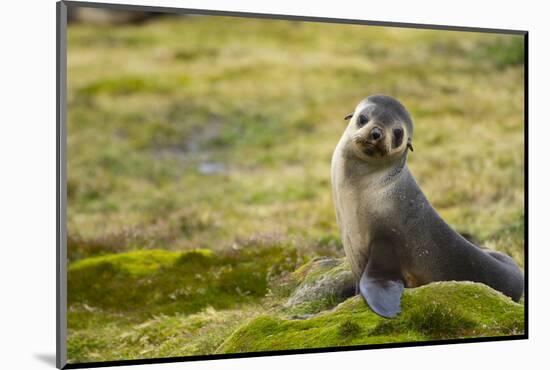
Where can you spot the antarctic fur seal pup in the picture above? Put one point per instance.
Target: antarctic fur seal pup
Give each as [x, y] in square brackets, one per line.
[392, 236]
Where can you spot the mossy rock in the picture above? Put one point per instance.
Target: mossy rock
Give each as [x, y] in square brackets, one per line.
[321, 283]
[440, 310]
[150, 282]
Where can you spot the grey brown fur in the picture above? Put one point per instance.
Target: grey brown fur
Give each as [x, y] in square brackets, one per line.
[393, 238]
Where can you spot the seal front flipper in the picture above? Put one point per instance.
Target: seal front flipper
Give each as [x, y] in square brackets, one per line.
[383, 295]
[381, 284]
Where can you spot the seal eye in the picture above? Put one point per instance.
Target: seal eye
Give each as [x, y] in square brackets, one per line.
[397, 137]
[362, 121]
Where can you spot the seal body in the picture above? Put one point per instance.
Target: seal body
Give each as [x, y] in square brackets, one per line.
[393, 238]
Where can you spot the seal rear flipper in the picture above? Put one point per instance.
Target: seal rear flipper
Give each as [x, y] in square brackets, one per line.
[381, 284]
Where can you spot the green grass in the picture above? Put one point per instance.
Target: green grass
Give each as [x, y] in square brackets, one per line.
[113, 338]
[262, 102]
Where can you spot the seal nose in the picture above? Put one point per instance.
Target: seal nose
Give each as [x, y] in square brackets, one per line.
[376, 134]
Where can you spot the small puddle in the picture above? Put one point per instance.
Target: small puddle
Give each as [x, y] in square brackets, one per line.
[211, 168]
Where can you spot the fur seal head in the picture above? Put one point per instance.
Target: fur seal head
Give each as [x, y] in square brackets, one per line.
[380, 130]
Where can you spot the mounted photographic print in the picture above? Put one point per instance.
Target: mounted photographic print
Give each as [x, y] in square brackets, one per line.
[236, 184]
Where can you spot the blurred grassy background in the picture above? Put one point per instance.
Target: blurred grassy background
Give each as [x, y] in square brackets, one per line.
[217, 133]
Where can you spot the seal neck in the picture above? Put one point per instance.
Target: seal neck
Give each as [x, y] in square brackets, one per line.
[384, 173]
[394, 171]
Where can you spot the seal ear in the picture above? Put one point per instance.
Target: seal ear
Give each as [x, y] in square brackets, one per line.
[410, 146]
[381, 284]
[348, 116]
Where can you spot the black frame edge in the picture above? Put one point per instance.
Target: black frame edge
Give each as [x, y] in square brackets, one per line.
[526, 180]
[148, 8]
[61, 188]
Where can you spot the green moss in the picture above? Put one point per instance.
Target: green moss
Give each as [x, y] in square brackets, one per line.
[136, 264]
[314, 306]
[132, 85]
[153, 282]
[436, 311]
[348, 330]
